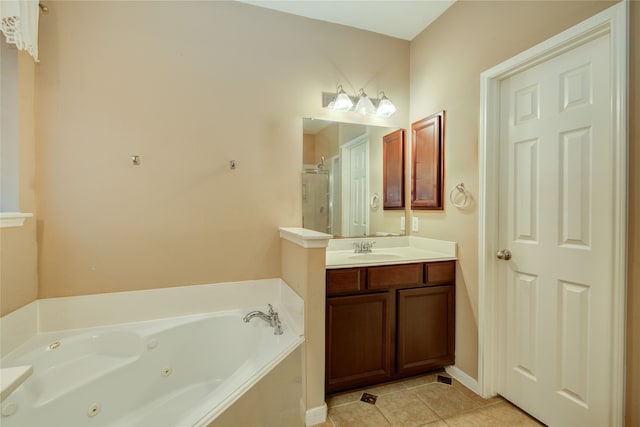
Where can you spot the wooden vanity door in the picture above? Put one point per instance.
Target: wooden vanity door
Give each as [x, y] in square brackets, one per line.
[393, 170]
[427, 171]
[426, 328]
[360, 333]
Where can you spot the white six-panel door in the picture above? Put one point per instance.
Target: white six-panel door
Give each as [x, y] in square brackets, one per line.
[355, 187]
[556, 220]
[359, 190]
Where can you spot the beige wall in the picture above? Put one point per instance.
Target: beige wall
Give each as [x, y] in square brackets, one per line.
[188, 86]
[309, 149]
[446, 61]
[327, 143]
[304, 270]
[18, 250]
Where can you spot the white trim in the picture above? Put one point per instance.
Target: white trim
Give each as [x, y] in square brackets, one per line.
[620, 110]
[613, 21]
[305, 238]
[13, 219]
[315, 415]
[463, 378]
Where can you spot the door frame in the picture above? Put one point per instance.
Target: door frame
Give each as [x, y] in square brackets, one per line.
[614, 22]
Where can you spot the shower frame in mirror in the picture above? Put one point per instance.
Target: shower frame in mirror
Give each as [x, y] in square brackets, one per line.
[393, 170]
[427, 163]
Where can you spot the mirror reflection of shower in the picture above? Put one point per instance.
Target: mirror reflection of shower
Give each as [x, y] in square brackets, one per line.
[315, 199]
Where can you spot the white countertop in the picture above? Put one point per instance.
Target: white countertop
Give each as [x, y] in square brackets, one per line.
[305, 238]
[389, 251]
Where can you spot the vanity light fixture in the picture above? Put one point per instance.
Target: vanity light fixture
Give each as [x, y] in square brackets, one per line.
[385, 106]
[342, 102]
[364, 105]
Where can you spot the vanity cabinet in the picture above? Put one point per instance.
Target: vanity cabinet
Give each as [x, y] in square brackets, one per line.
[388, 322]
[360, 340]
[425, 337]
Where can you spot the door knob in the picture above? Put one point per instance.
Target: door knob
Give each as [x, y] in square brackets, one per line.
[504, 254]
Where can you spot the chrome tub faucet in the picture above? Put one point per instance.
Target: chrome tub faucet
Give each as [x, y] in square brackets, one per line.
[272, 319]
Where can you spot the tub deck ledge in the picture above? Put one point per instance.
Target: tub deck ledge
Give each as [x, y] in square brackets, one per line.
[11, 378]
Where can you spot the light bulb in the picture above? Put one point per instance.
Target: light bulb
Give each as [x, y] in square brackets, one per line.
[342, 101]
[385, 107]
[364, 105]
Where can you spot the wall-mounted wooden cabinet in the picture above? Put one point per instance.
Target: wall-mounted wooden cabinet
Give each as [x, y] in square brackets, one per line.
[393, 170]
[388, 322]
[427, 158]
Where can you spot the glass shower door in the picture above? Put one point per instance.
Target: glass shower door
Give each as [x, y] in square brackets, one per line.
[315, 200]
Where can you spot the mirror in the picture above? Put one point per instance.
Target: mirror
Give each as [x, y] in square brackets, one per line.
[342, 180]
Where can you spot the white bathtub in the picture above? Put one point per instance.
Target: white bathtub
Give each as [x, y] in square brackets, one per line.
[181, 371]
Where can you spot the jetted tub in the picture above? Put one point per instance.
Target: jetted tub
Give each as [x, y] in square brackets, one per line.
[182, 371]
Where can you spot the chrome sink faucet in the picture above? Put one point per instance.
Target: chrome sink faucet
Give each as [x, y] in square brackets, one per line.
[363, 246]
[271, 318]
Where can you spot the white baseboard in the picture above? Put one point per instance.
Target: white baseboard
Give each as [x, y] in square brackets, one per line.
[463, 378]
[316, 415]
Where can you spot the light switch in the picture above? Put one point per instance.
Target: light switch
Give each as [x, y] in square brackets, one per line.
[415, 224]
[403, 224]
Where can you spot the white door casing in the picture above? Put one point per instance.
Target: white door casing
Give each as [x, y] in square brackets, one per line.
[564, 287]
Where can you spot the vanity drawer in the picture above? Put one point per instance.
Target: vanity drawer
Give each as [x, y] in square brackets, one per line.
[345, 280]
[437, 273]
[390, 276]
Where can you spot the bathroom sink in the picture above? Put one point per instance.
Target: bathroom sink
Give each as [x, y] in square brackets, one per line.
[390, 250]
[375, 257]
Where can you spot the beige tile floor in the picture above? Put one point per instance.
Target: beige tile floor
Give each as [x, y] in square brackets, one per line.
[423, 401]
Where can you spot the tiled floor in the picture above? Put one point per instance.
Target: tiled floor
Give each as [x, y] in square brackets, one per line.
[423, 401]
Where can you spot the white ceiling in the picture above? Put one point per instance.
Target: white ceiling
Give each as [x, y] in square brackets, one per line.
[403, 19]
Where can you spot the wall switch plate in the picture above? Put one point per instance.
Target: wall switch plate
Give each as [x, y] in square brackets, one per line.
[415, 224]
[403, 225]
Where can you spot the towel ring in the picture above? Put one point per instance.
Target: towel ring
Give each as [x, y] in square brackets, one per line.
[459, 196]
